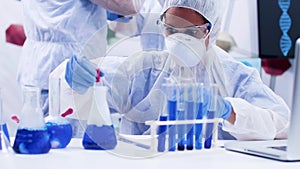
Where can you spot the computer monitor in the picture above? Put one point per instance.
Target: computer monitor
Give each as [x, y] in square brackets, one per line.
[277, 33]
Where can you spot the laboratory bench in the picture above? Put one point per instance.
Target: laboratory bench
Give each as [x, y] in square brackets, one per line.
[129, 156]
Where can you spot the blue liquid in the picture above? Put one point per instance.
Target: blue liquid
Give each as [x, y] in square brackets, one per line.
[5, 132]
[181, 131]
[60, 134]
[162, 135]
[32, 141]
[99, 138]
[172, 105]
[198, 127]
[209, 130]
[190, 128]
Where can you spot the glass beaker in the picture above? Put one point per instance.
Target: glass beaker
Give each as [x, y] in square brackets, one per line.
[100, 132]
[59, 128]
[4, 135]
[32, 135]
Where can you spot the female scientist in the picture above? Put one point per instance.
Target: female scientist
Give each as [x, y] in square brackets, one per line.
[251, 111]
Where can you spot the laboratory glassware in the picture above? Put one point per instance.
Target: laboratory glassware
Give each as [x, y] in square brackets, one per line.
[99, 133]
[199, 114]
[170, 90]
[4, 135]
[190, 114]
[59, 128]
[32, 135]
[210, 114]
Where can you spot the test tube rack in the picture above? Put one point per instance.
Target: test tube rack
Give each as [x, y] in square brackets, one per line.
[154, 124]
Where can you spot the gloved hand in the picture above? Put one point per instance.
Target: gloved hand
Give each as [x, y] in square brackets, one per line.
[113, 16]
[80, 74]
[223, 107]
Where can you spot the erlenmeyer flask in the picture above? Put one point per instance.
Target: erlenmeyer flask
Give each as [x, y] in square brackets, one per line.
[100, 133]
[32, 135]
[59, 128]
[4, 136]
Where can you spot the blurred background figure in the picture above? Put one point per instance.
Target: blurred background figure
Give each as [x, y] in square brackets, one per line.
[57, 30]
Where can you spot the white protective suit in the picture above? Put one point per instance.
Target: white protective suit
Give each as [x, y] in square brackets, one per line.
[135, 89]
[54, 35]
[59, 29]
[55, 31]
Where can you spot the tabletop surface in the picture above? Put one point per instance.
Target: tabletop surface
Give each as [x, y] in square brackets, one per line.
[129, 156]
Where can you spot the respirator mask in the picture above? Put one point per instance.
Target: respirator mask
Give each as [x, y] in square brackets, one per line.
[186, 45]
[185, 50]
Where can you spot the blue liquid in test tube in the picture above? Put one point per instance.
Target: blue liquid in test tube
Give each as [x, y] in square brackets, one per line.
[199, 99]
[198, 127]
[181, 116]
[190, 114]
[211, 115]
[162, 134]
[209, 130]
[4, 135]
[181, 131]
[172, 104]
[190, 128]
[170, 90]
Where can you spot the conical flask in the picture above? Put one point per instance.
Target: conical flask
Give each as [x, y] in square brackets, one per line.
[59, 128]
[100, 133]
[32, 135]
[4, 136]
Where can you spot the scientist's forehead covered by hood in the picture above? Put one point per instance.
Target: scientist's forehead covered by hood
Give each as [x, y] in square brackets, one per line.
[211, 10]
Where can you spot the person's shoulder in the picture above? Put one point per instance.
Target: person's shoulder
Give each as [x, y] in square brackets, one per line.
[224, 56]
[233, 66]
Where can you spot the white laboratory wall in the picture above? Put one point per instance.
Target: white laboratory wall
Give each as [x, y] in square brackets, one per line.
[10, 13]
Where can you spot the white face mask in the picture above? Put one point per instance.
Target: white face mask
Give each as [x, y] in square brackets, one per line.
[122, 7]
[185, 49]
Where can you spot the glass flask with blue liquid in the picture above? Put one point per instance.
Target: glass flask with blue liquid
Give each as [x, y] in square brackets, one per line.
[32, 135]
[4, 135]
[99, 133]
[59, 128]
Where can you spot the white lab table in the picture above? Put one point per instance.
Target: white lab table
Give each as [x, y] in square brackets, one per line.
[75, 157]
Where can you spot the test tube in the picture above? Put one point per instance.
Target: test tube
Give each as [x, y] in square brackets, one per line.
[172, 106]
[210, 115]
[181, 116]
[162, 134]
[4, 136]
[199, 114]
[190, 115]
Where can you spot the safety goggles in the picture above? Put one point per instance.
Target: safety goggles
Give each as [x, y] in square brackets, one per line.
[198, 32]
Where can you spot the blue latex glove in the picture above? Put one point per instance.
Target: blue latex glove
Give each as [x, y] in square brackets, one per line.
[223, 107]
[80, 74]
[113, 16]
